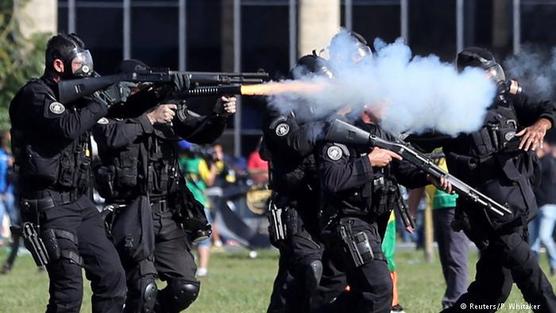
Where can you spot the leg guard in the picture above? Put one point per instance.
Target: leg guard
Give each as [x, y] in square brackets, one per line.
[313, 274]
[142, 290]
[149, 292]
[142, 298]
[177, 296]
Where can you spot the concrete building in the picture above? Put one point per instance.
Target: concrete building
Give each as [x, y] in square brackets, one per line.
[246, 35]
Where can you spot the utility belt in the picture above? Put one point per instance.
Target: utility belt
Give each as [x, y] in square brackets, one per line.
[160, 206]
[49, 197]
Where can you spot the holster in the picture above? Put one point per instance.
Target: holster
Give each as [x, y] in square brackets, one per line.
[33, 242]
[277, 225]
[357, 244]
[132, 230]
[191, 214]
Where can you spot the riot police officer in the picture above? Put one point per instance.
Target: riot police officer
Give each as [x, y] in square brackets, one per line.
[53, 156]
[498, 160]
[153, 210]
[289, 141]
[359, 190]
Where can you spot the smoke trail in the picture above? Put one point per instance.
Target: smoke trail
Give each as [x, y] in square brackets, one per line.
[410, 93]
[535, 70]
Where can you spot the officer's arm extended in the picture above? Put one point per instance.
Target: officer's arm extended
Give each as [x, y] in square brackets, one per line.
[409, 175]
[197, 128]
[60, 121]
[115, 134]
[340, 172]
[204, 129]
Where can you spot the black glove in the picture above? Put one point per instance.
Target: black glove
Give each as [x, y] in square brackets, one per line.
[116, 93]
[181, 82]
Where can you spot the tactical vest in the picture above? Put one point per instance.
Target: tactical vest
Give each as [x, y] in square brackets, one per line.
[43, 165]
[378, 196]
[498, 133]
[474, 155]
[147, 167]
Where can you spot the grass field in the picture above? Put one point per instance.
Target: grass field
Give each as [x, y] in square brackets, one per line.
[237, 284]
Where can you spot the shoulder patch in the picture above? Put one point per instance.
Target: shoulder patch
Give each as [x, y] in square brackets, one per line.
[334, 153]
[56, 108]
[282, 129]
[103, 121]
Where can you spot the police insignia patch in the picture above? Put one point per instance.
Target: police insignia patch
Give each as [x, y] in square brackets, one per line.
[103, 121]
[334, 153]
[282, 129]
[57, 108]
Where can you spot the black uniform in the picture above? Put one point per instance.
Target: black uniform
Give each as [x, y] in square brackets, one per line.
[357, 200]
[140, 172]
[51, 149]
[489, 160]
[299, 285]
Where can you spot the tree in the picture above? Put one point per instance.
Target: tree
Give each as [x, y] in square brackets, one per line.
[20, 58]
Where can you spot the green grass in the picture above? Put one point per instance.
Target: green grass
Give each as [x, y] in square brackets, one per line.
[238, 284]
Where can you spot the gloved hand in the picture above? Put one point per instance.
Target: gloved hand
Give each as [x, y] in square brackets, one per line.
[181, 82]
[225, 106]
[116, 93]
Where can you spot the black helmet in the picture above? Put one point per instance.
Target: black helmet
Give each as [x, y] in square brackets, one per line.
[69, 48]
[309, 65]
[132, 65]
[480, 57]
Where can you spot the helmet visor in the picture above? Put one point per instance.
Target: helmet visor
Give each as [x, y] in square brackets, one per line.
[496, 73]
[82, 63]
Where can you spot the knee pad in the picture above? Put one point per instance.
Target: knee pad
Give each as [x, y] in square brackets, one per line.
[313, 275]
[148, 294]
[141, 296]
[178, 295]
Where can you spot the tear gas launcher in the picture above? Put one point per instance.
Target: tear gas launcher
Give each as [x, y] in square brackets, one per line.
[197, 84]
[342, 132]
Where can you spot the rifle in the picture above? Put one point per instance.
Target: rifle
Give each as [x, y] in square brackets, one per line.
[342, 132]
[198, 84]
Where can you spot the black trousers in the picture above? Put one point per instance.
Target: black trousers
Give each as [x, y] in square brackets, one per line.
[292, 290]
[507, 259]
[100, 259]
[171, 261]
[370, 284]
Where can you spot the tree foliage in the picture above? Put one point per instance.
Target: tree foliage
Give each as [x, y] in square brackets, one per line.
[20, 58]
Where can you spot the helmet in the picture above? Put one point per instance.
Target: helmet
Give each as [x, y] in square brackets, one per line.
[310, 65]
[132, 65]
[71, 50]
[357, 47]
[480, 57]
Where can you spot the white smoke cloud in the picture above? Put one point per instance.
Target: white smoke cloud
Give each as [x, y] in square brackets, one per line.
[413, 93]
[535, 70]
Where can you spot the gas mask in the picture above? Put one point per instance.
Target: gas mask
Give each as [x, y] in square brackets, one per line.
[82, 61]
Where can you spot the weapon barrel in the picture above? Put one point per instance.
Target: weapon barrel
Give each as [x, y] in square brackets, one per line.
[205, 91]
[343, 132]
[212, 78]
